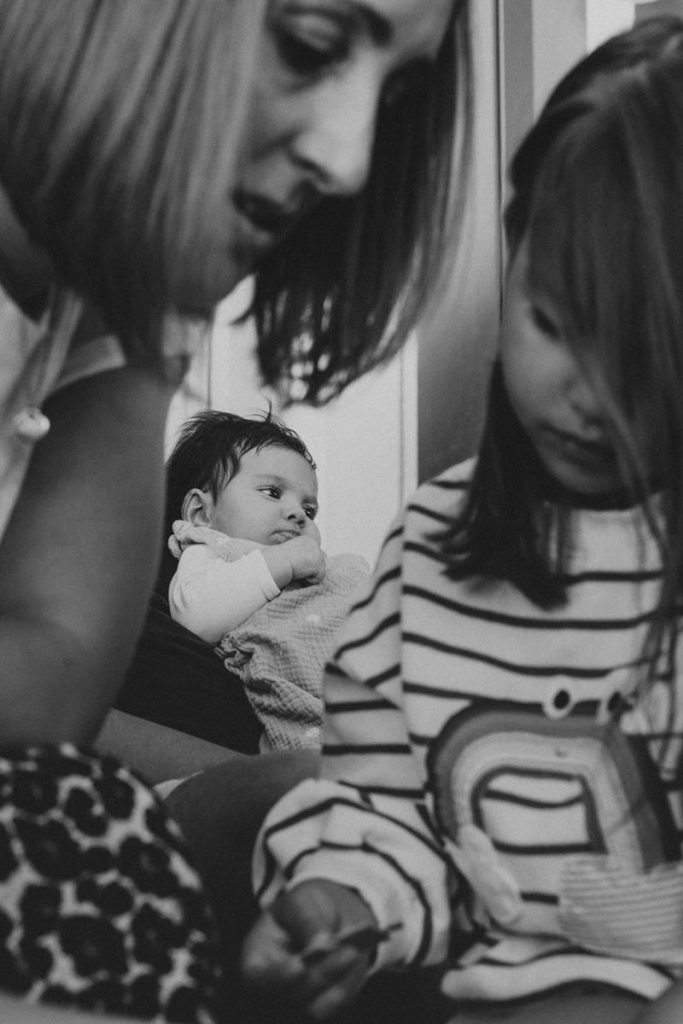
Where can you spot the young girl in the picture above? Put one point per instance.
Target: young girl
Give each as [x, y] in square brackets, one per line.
[500, 791]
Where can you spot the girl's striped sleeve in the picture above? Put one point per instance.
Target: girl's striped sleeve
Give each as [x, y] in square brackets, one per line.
[364, 822]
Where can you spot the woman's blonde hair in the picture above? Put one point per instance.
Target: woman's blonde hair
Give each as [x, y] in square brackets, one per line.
[120, 122]
[342, 294]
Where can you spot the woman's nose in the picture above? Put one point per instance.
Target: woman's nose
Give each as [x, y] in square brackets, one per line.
[335, 141]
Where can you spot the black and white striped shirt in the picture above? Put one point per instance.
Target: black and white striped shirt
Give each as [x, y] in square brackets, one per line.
[476, 786]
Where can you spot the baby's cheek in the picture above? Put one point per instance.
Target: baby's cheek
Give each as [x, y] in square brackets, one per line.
[312, 530]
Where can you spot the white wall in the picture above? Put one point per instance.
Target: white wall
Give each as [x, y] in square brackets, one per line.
[365, 445]
[456, 344]
[605, 18]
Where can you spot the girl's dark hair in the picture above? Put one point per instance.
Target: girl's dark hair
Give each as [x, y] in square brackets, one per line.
[504, 528]
[597, 194]
[344, 291]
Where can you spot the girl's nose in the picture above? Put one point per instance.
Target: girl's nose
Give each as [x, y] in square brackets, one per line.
[584, 399]
[335, 141]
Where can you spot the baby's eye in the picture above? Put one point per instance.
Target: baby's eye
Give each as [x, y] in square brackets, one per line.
[544, 323]
[311, 512]
[309, 44]
[272, 492]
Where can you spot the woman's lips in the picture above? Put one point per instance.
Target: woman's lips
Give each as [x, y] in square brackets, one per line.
[265, 216]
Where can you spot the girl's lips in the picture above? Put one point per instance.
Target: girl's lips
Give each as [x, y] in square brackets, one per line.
[586, 452]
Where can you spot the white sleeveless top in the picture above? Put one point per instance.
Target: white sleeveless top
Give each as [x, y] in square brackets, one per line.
[38, 358]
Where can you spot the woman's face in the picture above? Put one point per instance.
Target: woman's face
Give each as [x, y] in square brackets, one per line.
[324, 69]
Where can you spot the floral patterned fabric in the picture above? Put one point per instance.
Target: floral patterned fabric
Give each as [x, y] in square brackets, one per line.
[99, 908]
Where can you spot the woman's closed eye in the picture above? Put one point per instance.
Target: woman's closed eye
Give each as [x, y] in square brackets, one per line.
[310, 43]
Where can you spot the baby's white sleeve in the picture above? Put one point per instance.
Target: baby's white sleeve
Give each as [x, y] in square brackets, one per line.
[210, 596]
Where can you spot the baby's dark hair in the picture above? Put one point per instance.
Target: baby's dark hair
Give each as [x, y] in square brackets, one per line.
[209, 448]
[597, 196]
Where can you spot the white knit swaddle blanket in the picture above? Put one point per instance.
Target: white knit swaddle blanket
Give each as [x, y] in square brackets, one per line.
[280, 650]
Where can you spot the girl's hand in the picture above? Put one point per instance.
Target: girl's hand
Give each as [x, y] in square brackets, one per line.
[302, 950]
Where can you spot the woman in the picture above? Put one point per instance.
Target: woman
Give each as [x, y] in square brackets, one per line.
[135, 194]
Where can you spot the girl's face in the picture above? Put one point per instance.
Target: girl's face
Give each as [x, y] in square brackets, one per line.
[272, 498]
[324, 68]
[552, 399]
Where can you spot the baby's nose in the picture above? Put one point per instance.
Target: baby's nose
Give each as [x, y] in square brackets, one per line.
[296, 514]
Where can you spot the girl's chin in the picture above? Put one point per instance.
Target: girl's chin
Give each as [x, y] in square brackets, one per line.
[581, 491]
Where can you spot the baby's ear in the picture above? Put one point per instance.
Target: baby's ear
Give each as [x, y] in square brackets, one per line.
[196, 507]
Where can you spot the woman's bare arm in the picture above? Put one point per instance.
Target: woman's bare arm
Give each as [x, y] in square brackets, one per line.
[14, 1011]
[78, 559]
[220, 812]
[158, 752]
[18, 1011]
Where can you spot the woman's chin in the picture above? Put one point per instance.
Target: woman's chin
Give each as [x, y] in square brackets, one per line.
[200, 303]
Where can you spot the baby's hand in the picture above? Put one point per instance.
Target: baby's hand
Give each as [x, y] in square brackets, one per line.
[306, 558]
[297, 559]
[304, 949]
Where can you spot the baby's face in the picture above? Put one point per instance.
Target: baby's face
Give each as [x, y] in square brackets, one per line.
[272, 498]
